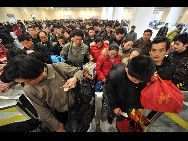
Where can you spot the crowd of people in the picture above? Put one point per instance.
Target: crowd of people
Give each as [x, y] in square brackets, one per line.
[80, 41]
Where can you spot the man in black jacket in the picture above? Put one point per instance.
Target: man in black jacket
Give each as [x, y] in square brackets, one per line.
[108, 33]
[144, 43]
[163, 30]
[45, 42]
[124, 85]
[118, 37]
[91, 38]
[179, 57]
[164, 67]
[34, 35]
[28, 44]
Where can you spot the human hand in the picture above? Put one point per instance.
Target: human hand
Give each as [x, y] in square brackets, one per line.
[61, 128]
[155, 77]
[71, 83]
[140, 111]
[118, 111]
[91, 59]
[104, 80]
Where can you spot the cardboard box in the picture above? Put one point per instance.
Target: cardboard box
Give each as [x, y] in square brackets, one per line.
[89, 70]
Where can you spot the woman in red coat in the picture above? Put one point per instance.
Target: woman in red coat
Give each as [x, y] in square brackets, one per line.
[105, 61]
[97, 47]
[17, 30]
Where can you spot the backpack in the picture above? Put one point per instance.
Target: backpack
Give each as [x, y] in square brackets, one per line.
[82, 112]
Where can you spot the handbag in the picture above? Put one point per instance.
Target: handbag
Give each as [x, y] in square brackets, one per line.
[162, 96]
[132, 123]
[82, 112]
[99, 86]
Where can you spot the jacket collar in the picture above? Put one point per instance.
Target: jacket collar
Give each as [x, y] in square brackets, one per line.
[51, 72]
[184, 53]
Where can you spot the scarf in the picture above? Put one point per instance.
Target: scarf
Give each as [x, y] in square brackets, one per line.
[125, 51]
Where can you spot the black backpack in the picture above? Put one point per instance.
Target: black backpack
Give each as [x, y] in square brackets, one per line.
[82, 112]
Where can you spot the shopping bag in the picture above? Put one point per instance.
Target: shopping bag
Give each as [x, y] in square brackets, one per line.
[131, 123]
[4, 86]
[56, 58]
[162, 96]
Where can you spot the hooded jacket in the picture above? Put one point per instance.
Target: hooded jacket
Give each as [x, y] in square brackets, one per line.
[104, 64]
[180, 60]
[172, 34]
[96, 52]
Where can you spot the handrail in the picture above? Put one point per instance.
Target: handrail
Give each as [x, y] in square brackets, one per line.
[184, 92]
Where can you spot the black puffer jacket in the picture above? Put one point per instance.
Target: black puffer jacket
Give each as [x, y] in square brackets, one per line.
[122, 92]
[180, 60]
[166, 70]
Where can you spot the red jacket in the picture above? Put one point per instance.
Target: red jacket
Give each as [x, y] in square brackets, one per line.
[17, 30]
[104, 65]
[96, 52]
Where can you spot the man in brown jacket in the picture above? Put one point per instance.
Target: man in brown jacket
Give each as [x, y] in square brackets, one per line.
[45, 87]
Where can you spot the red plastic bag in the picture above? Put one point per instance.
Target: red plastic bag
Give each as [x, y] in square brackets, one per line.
[4, 86]
[162, 96]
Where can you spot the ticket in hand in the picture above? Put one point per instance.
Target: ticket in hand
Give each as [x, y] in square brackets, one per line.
[124, 114]
[66, 89]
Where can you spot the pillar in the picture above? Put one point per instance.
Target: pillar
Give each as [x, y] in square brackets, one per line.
[104, 13]
[118, 13]
[141, 18]
[109, 11]
[173, 15]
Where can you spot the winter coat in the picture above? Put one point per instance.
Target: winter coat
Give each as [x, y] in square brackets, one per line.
[104, 65]
[131, 36]
[162, 31]
[106, 37]
[144, 47]
[78, 57]
[57, 48]
[88, 40]
[166, 70]
[124, 56]
[122, 92]
[18, 31]
[49, 95]
[96, 52]
[114, 40]
[172, 34]
[180, 60]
